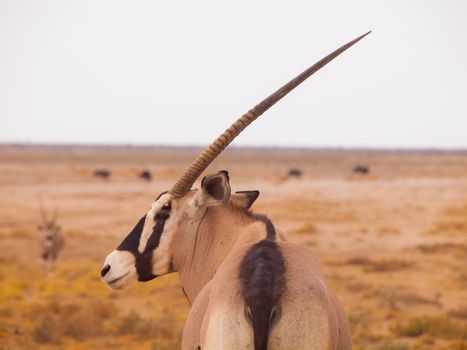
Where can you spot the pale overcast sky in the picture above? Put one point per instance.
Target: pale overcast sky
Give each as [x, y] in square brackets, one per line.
[179, 72]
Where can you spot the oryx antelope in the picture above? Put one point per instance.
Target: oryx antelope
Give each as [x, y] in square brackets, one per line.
[145, 175]
[295, 173]
[249, 287]
[52, 242]
[102, 173]
[361, 170]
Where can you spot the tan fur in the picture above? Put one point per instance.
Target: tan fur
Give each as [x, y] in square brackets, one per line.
[207, 254]
[52, 241]
[208, 238]
[51, 248]
[205, 239]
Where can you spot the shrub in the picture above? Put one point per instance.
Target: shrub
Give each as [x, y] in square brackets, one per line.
[82, 325]
[438, 326]
[388, 265]
[386, 345]
[47, 330]
[145, 328]
[460, 312]
[306, 228]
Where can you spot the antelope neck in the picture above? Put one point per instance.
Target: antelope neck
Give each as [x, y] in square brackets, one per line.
[220, 229]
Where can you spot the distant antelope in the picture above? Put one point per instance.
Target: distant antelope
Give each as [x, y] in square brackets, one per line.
[102, 173]
[361, 169]
[52, 242]
[294, 172]
[145, 175]
[249, 287]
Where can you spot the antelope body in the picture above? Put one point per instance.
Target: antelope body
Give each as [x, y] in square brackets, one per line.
[52, 242]
[102, 173]
[249, 287]
[294, 172]
[361, 170]
[145, 175]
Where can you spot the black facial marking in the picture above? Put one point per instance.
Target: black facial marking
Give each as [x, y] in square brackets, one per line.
[131, 242]
[154, 239]
[144, 267]
[143, 261]
[164, 213]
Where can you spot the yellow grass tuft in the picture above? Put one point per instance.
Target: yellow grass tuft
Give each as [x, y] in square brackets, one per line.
[387, 265]
[388, 230]
[460, 312]
[21, 233]
[437, 326]
[305, 228]
[449, 227]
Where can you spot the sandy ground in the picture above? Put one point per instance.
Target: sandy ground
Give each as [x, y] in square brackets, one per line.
[393, 244]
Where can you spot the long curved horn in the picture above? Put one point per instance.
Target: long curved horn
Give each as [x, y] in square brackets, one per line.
[184, 183]
[55, 216]
[42, 210]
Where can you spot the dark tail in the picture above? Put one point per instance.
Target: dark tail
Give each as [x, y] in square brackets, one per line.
[262, 275]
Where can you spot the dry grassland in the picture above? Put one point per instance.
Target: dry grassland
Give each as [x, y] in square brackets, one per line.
[393, 245]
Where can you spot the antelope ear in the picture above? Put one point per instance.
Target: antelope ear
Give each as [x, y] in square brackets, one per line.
[245, 199]
[215, 189]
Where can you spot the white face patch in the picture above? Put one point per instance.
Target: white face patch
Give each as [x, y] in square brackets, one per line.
[162, 256]
[122, 270]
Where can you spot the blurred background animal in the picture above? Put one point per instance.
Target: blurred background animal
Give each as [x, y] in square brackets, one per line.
[102, 173]
[145, 175]
[52, 241]
[295, 173]
[361, 170]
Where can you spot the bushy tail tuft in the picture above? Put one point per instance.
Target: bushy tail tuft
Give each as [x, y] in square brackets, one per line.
[262, 274]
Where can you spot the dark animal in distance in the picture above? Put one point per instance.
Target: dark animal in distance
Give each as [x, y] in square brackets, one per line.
[294, 172]
[145, 175]
[361, 170]
[102, 173]
[52, 242]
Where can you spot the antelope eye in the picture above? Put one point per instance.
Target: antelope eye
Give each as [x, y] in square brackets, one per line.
[166, 206]
[162, 215]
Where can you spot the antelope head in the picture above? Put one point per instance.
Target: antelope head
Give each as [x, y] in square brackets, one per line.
[48, 226]
[147, 251]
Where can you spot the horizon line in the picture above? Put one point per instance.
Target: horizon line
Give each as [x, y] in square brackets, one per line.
[238, 147]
